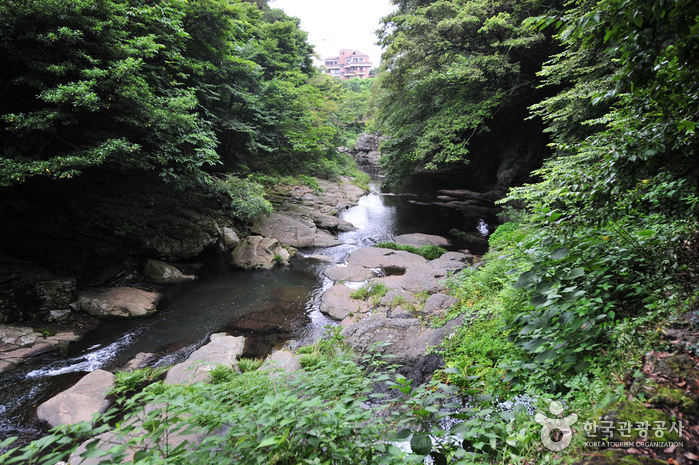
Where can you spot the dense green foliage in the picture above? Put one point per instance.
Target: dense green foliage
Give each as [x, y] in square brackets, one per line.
[204, 92]
[453, 70]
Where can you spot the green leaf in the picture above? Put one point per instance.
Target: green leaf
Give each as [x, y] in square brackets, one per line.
[421, 444]
[559, 253]
[575, 273]
[546, 355]
[269, 441]
[524, 279]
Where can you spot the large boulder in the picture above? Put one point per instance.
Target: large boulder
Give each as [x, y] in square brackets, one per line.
[376, 257]
[159, 272]
[180, 239]
[230, 237]
[289, 230]
[407, 337]
[79, 403]
[419, 239]
[118, 302]
[337, 303]
[257, 252]
[222, 350]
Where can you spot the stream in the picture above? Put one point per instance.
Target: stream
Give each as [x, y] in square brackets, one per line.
[270, 308]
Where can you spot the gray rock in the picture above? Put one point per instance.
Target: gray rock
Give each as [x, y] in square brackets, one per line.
[408, 339]
[421, 278]
[186, 239]
[159, 272]
[348, 273]
[141, 360]
[323, 239]
[118, 302]
[257, 252]
[59, 316]
[222, 350]
[376, 257]
[230, 238]
[438, 303]
[283, 360]
[79, 403]
[418, 239]
[337, 303]
[18, 343]
[451, 262]
[290, 230]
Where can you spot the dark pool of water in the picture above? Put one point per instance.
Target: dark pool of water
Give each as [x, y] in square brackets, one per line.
[268, 307]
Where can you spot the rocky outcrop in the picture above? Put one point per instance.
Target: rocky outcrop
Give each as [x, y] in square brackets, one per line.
[28, 292]
[419, 239]
[118, 302]
[310, 223]
[408, 338]
[375, 257]
[19, 343]
[184, 239]
[79, 403]
[366, 149]
[290, 230]
[158, 272]
[337, 303]
[222, 350]
[257, 252]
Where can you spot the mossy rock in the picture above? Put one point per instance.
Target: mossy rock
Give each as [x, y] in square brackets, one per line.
[617, 457]
[677, 366]
[672, 397]
[635, 413]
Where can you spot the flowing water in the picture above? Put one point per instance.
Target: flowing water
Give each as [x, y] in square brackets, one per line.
[268, 307]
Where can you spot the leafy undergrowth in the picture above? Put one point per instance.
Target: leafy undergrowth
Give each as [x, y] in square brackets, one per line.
[539, 325]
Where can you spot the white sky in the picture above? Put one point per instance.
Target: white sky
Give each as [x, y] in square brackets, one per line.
[336, 24]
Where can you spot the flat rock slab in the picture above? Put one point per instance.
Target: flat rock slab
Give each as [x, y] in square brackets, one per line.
[419, 239]
[408, 338]
[118, 302]
[222, 350]
[288, 229]
[323, 239]
[348, 273]
[337, 303]
[80, 402]
[423, 278]
[376, 257]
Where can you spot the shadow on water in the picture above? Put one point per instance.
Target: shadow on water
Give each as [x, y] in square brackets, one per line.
[267, 307]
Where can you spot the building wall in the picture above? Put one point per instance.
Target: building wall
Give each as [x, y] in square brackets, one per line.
[350, 64]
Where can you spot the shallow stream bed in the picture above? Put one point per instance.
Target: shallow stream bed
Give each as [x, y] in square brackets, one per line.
[268, 307]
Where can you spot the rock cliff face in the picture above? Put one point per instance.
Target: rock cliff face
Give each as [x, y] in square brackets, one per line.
[366, 150]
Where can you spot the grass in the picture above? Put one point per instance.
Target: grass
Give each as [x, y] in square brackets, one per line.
[133, 381]
[430, 252]
[250, 364]
[376, 290]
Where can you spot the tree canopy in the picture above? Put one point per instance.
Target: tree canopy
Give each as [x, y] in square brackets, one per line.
[184, 88]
